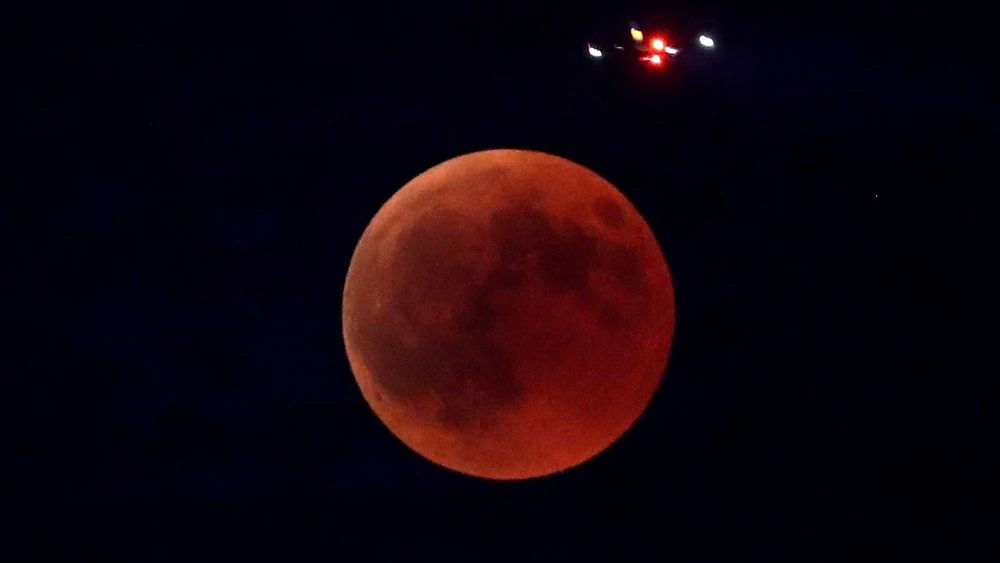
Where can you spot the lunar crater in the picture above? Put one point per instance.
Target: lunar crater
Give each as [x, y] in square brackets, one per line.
[610, 213]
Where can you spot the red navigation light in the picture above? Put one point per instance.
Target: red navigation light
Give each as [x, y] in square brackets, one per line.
[653, 59]
[658, 44]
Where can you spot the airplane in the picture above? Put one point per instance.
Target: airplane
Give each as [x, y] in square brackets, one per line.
[652, 49]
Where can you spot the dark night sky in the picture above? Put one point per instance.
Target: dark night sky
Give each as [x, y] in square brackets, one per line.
[188, 186]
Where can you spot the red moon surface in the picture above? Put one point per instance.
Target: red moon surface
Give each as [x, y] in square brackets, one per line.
[508, 314]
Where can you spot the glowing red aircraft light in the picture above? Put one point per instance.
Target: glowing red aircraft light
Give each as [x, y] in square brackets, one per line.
[658, 44]
[654, 59]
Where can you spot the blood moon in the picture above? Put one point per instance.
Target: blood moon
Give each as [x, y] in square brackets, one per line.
[508, 314]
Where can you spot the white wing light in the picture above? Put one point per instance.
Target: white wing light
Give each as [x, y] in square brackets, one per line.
[706, 41]
[594, 52]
